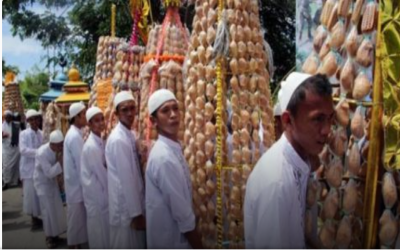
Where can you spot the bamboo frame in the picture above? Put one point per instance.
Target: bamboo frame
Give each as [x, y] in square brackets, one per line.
[374, 155]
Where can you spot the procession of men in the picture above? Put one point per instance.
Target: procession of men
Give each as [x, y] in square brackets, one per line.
[104, 183]
[112, 203]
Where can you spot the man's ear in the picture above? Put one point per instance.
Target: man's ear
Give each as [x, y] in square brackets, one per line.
[286, 119]
[153, 120]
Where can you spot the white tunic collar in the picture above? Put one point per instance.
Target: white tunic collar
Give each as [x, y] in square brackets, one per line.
[77, 129]
[124, 129]
[97, 139]
[30, 130]
[293, 157]
[175, 145]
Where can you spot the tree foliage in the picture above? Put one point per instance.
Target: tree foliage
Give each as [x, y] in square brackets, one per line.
[278, 20]
[7, 68]
[32, 86]
[77, 33]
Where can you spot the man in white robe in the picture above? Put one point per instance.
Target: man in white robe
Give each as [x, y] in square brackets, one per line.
[73, 145]
[275, 200]
[48, 165]
[125, 180]
[29, 142]
[94, 182]
[169, 213]
[10, 152]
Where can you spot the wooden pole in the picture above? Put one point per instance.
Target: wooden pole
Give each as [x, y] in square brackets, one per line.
[375, 151]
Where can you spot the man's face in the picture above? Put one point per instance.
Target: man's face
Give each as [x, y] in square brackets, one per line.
[167, 119]
[97, 124]
[57, 147]
[34, 122]
[81, 118]
[9, 118]
[311, 126]
[126, 113]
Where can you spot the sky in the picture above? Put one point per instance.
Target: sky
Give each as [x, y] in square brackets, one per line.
[23, 54]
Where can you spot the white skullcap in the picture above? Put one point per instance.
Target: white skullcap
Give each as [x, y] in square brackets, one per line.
[158, 98]
[75, 109]
[277, 109]
[92, 112]
[8, 112]
[56, 136]
[31, 113]
[289, 86]
[122, 97]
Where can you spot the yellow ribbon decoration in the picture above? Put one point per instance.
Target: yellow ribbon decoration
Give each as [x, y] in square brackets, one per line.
[172, 3]
[219, 124]
[219, 153]
[144, 7]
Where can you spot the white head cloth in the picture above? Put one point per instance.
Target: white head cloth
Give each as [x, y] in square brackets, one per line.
[122, 97]
[289, 86]
[158, 98]
[277, 109]
[75, 109]
[56, 136]
[31, 113]
[92, 112]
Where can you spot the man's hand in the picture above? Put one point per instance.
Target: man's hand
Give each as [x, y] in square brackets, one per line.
[59, 158]
[4, 134]
[138, 223]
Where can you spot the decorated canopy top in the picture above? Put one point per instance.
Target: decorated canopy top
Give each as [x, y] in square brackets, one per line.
[55, 90]
[75, 89]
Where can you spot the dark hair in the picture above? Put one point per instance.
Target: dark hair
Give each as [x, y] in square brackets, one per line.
[319, 84]
[154, 114]
[72, 121]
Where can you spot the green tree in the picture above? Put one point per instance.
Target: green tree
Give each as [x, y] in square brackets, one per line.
[77, 34]
[32, 86]
[278, 20]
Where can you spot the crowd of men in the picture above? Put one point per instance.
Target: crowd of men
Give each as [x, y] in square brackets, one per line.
[111, 203]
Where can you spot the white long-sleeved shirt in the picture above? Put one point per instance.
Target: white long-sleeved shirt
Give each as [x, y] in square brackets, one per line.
[73, 145]
[274, 206]
[46, 169]
[94, 176]
[168, 196]
[29, 143]
[125, 181]
[6, 128]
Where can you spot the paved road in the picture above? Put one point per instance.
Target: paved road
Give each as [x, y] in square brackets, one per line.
[16, 225]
